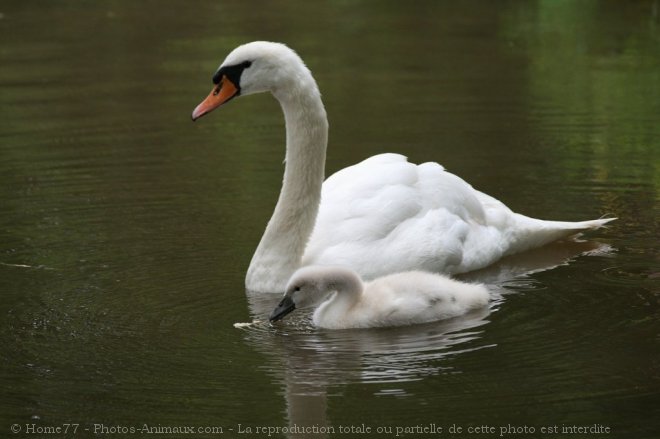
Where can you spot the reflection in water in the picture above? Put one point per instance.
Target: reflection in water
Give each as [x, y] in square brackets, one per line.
[515, 267]
[308, 361]
[378, 355]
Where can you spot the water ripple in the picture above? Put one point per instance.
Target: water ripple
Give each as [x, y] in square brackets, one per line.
[300, 353]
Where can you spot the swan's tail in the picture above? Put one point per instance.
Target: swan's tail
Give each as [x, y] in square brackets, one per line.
[568, 228]
[534, 233]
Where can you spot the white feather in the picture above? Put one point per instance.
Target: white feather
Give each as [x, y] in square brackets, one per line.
[394, 300]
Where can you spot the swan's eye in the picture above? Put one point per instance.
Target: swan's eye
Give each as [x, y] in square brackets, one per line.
[296, 289]
[246, 64]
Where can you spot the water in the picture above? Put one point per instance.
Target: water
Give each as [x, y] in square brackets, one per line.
[126, 229]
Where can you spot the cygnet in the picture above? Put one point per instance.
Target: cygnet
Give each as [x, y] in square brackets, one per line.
[394, 300]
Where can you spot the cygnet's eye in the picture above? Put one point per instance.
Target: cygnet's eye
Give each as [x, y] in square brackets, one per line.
[296, 289]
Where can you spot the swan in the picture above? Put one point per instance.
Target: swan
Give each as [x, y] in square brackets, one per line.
[380, 216]
[394, 300]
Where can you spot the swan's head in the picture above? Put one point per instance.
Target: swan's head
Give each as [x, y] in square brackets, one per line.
[311, 285]
[255, 67]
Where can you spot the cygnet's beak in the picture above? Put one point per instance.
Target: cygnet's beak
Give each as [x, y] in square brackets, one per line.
[223, 92]
[284, 308]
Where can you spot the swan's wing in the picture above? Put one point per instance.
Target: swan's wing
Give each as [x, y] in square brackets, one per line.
[416, 297]
[387, 215]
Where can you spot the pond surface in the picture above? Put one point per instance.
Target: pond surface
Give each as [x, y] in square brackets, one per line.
[126, 230]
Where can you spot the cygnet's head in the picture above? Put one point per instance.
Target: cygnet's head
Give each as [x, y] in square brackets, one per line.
[311, 285]
[254, 67]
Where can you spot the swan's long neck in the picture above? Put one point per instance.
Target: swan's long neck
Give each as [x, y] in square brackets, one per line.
[349, 289]
[282, 246]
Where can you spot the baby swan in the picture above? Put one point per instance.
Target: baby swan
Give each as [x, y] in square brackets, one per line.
[393, 300]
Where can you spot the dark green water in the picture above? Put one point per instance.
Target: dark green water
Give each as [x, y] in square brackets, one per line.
[126, 230]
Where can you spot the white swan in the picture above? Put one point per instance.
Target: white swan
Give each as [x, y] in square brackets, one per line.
[380, 216]
[394, 300]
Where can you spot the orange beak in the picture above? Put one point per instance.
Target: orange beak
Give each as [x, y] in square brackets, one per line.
[221, 93]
